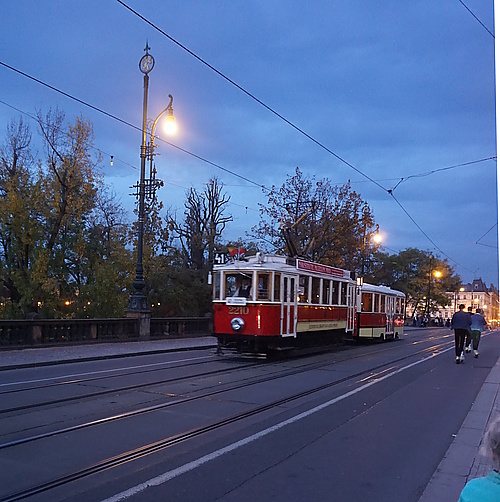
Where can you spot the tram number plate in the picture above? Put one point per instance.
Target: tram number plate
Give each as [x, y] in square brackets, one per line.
[219, 258]
[238, 310]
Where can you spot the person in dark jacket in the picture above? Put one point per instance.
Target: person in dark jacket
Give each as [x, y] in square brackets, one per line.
[460, 322]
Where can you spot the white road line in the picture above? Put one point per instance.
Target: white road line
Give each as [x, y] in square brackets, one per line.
[167, 476]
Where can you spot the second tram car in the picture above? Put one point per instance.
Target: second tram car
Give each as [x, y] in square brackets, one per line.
[267, 303]
[379, 312]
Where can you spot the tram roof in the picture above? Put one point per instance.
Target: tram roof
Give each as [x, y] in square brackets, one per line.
[372, 288]
[283, 264]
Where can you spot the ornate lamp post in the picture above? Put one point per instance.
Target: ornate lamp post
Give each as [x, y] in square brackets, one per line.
[138, 302]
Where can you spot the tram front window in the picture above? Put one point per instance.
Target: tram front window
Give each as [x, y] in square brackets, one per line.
[239, 285]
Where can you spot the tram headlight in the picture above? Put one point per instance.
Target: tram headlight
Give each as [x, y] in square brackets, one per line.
[237, 324]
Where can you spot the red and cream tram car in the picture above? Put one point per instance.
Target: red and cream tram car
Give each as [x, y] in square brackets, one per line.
[266, 303]
[379, 312]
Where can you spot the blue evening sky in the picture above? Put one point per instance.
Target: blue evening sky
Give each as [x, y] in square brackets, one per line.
[395, 90]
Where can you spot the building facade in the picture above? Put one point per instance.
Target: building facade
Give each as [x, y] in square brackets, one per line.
[475, 295]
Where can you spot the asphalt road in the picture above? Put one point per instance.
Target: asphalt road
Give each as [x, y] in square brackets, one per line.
[377, 426]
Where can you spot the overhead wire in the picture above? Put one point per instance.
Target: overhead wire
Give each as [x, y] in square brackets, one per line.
[434, 171]
[110, 115]
[425, 234]
[476, 18]
[485, 234]
[36, 119]
[281, 117]
[32, 117]
[252, 96]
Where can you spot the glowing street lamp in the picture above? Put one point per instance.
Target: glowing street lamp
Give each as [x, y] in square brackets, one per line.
[138, 301]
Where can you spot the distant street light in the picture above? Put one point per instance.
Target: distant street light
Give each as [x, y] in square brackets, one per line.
[138, 301]
[437, 274]
[367, 237]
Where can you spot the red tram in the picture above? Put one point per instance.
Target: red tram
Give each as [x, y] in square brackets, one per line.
[267, 303]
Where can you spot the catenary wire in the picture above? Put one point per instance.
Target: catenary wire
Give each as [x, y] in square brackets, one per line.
[434, 171]
[252, 96]
[277, 114]
[110, 115]
[476, 18]
[95, 108]
[485, 234]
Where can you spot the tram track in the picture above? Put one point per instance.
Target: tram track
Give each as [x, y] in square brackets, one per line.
[203, 393]
[148, 449]
[112, 390]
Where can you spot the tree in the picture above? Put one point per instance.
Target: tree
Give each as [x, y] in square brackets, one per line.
[317, 221]
[62, 239]
[19, 228]
[204, 222]
[105, 262]
[414, 272]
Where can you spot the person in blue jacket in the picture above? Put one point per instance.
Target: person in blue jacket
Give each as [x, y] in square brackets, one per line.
[486, 489]
[478, 322]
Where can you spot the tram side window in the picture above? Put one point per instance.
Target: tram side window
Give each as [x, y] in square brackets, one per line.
[326, 292]
[376, 306]
[343, 293]
[335, 292]
[216, 291]
[263, 281]
[366, 302]
[382, 304]
[398, 306]
[277, 279]
[402, 310]
[316, 292]
[238, 285]
[303, 288]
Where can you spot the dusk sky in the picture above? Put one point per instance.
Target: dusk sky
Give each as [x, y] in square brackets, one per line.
[399, 95]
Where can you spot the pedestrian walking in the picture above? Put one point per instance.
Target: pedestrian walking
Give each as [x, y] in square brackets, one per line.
[460, 322]
[468, 338]
[478, 322]
[486, 489]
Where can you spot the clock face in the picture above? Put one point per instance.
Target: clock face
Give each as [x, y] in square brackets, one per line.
[146, 63]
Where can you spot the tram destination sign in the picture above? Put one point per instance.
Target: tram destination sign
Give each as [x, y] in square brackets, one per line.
[323, 269]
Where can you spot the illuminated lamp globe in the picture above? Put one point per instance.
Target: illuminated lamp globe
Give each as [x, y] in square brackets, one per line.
[170, 126]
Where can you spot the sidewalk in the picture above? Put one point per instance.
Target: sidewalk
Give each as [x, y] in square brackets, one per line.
[461, 462]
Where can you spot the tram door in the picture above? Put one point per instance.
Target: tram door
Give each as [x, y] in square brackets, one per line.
[390, 309]
[351, 307]
[288, 305]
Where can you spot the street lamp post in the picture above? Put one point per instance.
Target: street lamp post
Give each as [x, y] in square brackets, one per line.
[138, 302]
